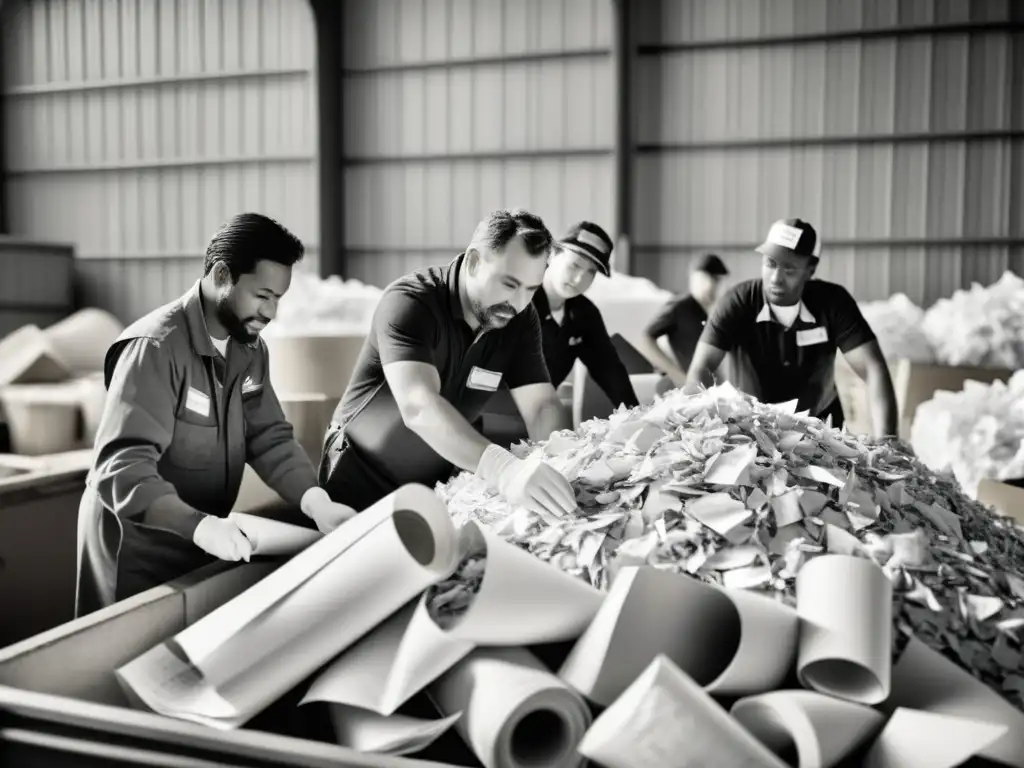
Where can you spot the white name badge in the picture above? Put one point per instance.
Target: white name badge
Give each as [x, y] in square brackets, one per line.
[249, 386]
[811, 336]
[197, 402]
[481, 378]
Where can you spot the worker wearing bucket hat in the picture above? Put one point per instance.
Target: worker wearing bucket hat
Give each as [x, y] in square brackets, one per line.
[789, 325]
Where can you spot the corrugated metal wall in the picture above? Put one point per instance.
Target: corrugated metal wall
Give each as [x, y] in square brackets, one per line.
[895, 127]
[455, 107]
[134, 127]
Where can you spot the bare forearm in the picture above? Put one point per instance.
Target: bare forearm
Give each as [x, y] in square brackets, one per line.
[657, 357]
[551, 416]
[884, 411]
[445, 430]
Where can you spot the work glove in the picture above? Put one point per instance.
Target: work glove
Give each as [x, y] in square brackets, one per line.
[222, 538]
[327, 514]
[526, 483]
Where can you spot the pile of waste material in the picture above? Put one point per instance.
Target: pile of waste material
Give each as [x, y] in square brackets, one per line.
[981, 327]
[316, 306]
[976, 433]
[897, 324]
[741, 494]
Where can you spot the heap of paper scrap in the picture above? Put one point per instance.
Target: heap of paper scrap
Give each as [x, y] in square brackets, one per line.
[896, 322]
[315, 306]
[741, 494]
[976, 433]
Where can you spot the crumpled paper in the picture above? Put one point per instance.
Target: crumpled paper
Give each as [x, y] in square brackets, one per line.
[324, 306]
[739, 493]
[976, 433]
[981, 327]
[897, 325]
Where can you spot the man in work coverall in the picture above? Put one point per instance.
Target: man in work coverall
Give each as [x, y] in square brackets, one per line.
[189, 403]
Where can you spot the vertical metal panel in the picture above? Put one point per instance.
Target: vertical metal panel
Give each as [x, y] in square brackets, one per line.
[903, 146]
[454, 108]
[134, 128]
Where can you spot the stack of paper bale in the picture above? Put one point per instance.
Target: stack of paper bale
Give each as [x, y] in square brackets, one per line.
[51, 382]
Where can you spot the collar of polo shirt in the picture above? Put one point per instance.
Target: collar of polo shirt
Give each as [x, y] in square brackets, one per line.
[765, 315]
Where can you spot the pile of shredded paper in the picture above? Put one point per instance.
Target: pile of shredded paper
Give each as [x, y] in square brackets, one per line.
[981, 327]
[976, 433]
[314, 305]
[897, 324]
[738, 493]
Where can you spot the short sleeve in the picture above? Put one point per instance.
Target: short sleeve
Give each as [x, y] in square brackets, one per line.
[849, 328]
[527, 365]
[725, 327]
[665, 320]
[405, 328]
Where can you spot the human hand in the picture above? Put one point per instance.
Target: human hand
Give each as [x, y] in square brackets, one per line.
[529, 483]
[327, 514]
[222, 538]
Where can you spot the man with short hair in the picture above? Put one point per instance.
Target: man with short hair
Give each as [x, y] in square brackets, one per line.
[681, 321]
[789, 326]
[441, 342]
[189, 403]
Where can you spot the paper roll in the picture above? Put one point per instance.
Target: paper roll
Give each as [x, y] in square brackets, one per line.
[845, 607]
[924, 679]
[394, 735]
[521, 601]
[274, 538]
[258, 646]
[730, 641]
[27, 357]
[821, 730]
[665, 719]
[516, 714]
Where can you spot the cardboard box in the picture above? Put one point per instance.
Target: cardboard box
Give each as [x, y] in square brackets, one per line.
[38, 541]
[914, 383]
[300, 365]
[64, 679]
[1007, 498]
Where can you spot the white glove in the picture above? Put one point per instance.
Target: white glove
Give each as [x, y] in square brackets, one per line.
[327, 514]
[527, 483]
[222, 538]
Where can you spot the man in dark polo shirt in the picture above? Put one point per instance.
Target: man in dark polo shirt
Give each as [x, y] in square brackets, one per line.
[790, 326]
[571, 325]
[682, 319]
[442, 340]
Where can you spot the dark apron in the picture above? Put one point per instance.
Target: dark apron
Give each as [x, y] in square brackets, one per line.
[347, 476]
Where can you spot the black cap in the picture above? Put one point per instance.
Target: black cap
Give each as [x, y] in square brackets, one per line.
[791, 236]
[590, 240]
[711, 264]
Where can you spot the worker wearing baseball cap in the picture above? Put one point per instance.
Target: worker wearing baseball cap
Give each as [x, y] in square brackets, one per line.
[789, 327]
[681, 321]
[571, 325]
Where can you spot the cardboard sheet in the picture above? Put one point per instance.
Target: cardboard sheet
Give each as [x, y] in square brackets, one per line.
[411, 546]
[923, 679]
[516, 714]
[521, 601]
[665, 718]
[818, 730]
[845, 607]
[729, 641]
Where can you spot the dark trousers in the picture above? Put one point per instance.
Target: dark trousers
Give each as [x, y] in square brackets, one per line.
[348, 477]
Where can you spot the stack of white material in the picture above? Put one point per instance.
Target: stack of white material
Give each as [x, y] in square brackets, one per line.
[897, 324]
[627, 303]
[977, 433]
[981, 327]
[314, 306]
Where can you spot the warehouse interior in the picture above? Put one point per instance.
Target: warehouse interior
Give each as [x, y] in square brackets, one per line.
[381, 133]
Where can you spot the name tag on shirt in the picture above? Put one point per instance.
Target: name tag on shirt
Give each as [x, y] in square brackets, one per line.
[811, 336]
[481, 378]
[197, 402]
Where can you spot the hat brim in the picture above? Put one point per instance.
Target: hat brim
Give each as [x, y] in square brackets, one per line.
[772, 249]
[601, 267]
